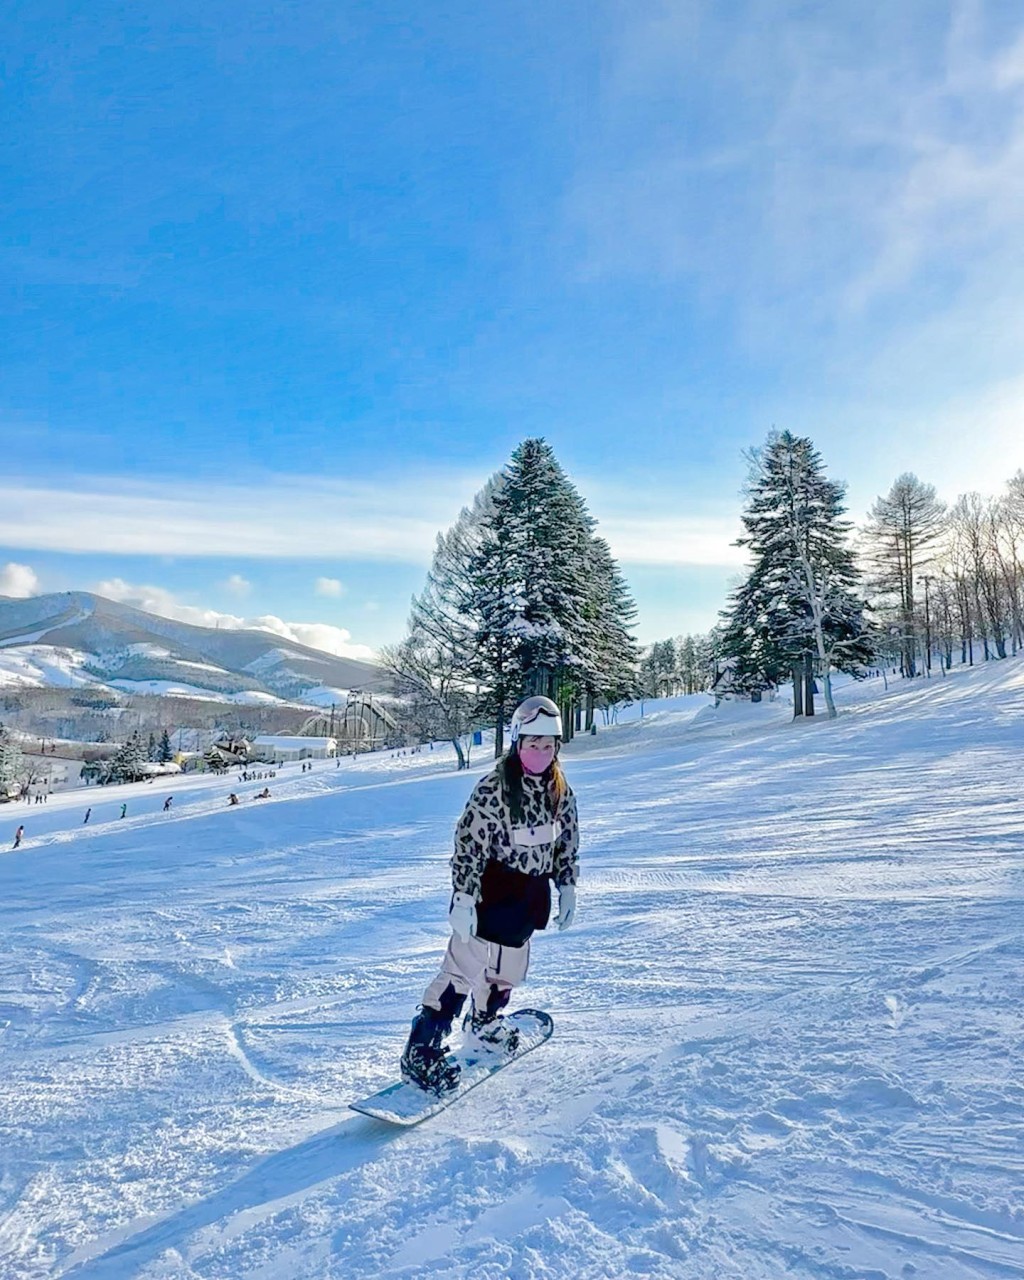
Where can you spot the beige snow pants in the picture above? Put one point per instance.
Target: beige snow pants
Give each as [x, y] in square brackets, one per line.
[485, 970]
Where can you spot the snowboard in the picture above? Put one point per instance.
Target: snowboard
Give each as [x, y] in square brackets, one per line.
[406, 1104]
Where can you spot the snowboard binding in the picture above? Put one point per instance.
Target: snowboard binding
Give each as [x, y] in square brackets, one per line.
[430, 1069]
[493, 1032]
[424, 1062]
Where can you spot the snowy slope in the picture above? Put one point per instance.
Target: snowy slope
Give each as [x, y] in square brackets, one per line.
[788, 1020]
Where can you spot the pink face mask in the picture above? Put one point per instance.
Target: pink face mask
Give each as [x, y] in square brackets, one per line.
[536, 759]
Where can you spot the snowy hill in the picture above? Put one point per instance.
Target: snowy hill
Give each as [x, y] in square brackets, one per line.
[78, 638]
[788, 1027]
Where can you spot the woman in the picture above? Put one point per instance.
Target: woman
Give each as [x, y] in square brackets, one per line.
[518, 833]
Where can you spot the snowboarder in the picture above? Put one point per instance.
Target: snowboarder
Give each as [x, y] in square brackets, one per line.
[518, 833]
[232, 798]
[18, 834]
[88, 814]
[167, 803]
[124, 810]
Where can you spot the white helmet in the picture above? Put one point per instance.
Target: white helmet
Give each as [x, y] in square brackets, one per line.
[536, 715]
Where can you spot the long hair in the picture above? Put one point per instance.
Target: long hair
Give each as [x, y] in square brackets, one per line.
[512, 784]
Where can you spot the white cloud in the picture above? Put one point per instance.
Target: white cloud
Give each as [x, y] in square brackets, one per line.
[650, 522]
[393, 519]
[673, 540]
[237, 585]
[18, 580]
[158, 600]
[329, 587]
[294, 519]
[834, 165]
[165, 603]
[318, 635]
[843, 202]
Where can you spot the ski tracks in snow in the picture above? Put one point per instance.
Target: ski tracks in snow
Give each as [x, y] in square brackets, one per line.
[786, 1044]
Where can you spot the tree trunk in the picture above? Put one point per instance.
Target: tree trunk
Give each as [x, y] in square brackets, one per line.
[798, 692]
[826, 684]
[808, 685]
[499, 734]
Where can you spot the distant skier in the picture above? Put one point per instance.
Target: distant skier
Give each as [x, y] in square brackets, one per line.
[88, 815]
[167, 803]
[18, 834]
[518, 833]
[124, 810]
[232, 798]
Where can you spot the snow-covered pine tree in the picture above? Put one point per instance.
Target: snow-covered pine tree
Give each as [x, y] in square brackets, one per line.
[551, 533]
[752, 637]
[799, 603]
[692, 663]
[663, 668]
[128, 764]
[165, 754]
[495, 666]
[521, 598]
[11, 759]
[616, 650]
[533, 591]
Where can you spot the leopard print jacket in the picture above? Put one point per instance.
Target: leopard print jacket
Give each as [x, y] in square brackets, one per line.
[537, 846]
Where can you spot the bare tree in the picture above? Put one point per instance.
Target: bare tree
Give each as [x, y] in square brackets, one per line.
[976, 525]
[903, 529]
[431, 678]
[1009, 551]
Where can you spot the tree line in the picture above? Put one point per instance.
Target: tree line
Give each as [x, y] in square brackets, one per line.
[523, 596]
[682, 664]
[919, 582]
[948, 580]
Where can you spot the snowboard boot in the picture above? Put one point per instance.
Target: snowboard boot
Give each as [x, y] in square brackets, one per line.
[424, 1061]
[488, 1028]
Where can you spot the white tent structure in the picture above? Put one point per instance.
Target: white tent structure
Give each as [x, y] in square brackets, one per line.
[280, 748]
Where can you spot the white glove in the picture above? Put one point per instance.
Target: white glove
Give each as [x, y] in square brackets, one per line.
[462, 916]
[566, 905]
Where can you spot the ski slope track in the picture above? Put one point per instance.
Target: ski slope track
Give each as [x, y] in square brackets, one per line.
[788, 1018]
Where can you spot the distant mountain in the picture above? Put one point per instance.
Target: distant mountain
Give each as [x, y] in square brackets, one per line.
[76, 637]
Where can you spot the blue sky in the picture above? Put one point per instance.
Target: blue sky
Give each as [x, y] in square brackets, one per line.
[283, 284]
